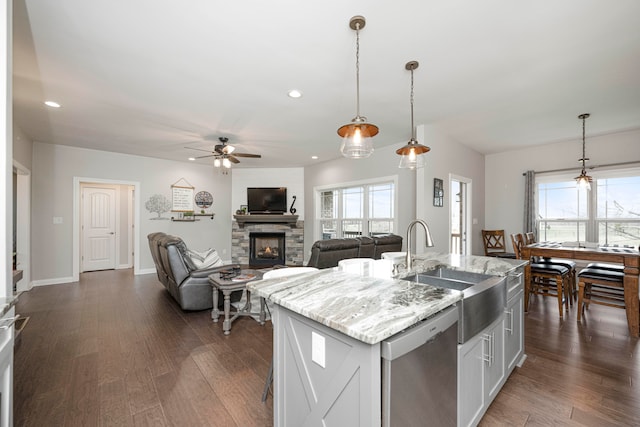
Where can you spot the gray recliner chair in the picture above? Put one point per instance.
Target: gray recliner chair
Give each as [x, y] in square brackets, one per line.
[188, 285]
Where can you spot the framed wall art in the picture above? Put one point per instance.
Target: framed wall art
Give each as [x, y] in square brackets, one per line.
[438, 192]
[182, 197]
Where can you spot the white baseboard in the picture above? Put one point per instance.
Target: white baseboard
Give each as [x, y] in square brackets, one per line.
[55, 281]
[146, 271]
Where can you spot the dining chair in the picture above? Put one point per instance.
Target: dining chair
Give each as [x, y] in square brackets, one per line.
[546, 279]
[530, 238]
[600, 286]
[494, 244]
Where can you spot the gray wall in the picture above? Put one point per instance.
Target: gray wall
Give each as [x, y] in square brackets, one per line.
[54, 168]
[22, 148]
[448, 156]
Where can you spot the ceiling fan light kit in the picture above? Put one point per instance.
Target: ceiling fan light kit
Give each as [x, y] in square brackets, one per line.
[412, 153]
[584, 180]
[356, 135]
[224, 154]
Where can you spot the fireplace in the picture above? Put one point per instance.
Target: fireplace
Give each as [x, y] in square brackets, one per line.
[266, 249]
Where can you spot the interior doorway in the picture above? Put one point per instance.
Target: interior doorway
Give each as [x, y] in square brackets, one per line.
[127, 215]
[22, 224]
[460, 214]
[100, 220]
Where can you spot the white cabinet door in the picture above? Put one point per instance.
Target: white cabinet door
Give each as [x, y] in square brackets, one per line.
[494, 366]
[513, 332]
[480, 373]
[471, 356]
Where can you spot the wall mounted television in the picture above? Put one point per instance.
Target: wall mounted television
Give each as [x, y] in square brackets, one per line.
[267, 200]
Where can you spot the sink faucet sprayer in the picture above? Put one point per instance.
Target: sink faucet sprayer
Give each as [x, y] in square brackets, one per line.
[429, 241]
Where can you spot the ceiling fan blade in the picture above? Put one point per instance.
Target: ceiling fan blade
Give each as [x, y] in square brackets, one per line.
[198, 149]
[232, 159]
[253, 156]
[202, 157]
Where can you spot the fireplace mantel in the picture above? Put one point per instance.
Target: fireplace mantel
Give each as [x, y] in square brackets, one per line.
[265, 219]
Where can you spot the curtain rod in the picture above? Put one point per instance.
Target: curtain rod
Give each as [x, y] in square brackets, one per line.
[635, 162]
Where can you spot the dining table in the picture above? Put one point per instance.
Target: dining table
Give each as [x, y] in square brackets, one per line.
[629, 257]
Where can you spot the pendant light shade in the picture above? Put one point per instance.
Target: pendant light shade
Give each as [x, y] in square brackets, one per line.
[356, 135]
[412, 153]
[584, 180]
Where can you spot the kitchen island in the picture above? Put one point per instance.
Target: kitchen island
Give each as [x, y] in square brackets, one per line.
[328, 327]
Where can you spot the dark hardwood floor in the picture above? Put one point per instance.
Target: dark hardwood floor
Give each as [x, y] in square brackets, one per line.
[114, 349]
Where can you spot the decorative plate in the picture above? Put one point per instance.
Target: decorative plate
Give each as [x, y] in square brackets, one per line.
[204, 199]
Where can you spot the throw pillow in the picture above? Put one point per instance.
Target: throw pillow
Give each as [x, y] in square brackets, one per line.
[205, 259]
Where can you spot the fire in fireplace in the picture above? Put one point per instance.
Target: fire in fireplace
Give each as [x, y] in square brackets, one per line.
[266, 249]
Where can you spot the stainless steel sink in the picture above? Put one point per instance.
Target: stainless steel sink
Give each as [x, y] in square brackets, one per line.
[483, 301]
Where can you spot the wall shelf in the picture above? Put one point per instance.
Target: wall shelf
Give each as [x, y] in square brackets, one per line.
[211, 215]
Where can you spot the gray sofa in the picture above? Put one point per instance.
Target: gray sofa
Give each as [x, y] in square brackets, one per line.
[188, 285]
[327, 253]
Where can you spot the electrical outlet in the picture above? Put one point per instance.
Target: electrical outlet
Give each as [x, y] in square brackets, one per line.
[57, 220]
[317, 349]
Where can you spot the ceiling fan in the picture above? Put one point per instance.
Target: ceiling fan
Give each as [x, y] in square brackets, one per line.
[224, 151]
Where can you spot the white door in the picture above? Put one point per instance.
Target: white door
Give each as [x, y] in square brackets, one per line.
[98, 228]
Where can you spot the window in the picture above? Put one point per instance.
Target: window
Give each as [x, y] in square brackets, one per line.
[609, 214]
[366, 209]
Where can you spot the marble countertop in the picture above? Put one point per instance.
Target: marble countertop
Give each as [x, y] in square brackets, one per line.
[475, 264]
[371, 309]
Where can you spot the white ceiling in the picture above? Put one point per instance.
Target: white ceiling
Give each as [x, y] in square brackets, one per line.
[151, 77]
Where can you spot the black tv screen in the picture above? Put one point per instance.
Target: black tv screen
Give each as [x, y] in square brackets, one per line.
[267, 200]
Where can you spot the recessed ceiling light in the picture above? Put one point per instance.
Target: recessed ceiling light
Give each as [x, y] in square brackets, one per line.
[294, 93]
[314, 157]
[193, 159]
[52, 104]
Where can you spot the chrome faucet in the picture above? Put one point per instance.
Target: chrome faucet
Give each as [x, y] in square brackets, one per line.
[429, 242]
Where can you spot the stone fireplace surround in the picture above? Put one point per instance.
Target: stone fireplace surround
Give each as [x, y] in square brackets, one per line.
[294, 237]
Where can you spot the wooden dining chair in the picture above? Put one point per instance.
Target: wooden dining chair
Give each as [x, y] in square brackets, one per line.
[529, 238]
[546, 279]
[494, 244]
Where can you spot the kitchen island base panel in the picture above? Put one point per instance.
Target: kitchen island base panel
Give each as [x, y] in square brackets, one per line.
[340, 393]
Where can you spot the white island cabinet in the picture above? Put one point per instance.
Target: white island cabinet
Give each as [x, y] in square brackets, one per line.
[328, 326]
[486, 361]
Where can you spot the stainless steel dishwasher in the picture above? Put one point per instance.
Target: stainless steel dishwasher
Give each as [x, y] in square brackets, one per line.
[419, 373]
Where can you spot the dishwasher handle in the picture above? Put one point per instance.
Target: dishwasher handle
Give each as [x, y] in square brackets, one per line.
[419, 334]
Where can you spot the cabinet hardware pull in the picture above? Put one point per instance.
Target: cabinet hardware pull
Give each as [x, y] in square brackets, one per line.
[493, 348]
[12, 320]
[510, 327]
[486, 349]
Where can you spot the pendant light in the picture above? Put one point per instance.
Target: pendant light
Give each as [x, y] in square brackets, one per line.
[356, 135]
[584, 180]
[412, 153]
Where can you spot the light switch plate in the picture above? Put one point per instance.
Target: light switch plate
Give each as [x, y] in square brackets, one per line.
[317, 349]
[57, 220]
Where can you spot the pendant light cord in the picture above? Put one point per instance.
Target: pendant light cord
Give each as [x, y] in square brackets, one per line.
[413, 129]
[584, 156]
[358, 70]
